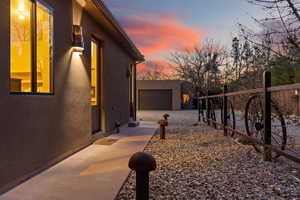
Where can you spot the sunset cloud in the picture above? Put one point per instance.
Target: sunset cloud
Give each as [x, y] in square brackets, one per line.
[158, 32]
[159, 27]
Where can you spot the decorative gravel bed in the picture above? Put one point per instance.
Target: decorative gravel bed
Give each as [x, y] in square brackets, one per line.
[203, 164]
[185, 118]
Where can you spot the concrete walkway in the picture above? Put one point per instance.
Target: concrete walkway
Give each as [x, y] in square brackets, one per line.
[95, 173]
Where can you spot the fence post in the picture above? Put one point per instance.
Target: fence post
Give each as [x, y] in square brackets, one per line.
[142, 163]
[267, 116]
[199, 107]
[225, 109]
[207, 109]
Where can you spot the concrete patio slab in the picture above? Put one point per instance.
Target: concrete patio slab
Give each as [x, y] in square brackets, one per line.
[95, 173]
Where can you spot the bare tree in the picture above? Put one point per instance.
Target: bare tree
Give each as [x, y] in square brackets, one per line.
[248, 63]
[281, 27]
[200, 65]
[241, 54]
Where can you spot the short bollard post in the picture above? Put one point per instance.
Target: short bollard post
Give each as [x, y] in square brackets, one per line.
[117, 126]
[142, 163]
[166, 116]
[163, 124]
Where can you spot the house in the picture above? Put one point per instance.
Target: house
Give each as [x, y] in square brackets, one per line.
[163, 94]
[64, 66]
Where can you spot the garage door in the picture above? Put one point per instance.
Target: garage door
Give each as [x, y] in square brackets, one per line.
[155, 99]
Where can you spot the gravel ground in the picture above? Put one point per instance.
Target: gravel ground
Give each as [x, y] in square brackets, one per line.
[198, 162]
[188, 117]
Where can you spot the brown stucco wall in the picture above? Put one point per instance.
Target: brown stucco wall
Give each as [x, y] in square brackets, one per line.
[174, 85]
[115, 93]
[39, 130]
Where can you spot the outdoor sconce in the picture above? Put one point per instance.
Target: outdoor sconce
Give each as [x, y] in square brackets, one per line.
[78, 44]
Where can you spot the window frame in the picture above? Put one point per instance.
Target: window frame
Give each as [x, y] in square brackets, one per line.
[33, 16]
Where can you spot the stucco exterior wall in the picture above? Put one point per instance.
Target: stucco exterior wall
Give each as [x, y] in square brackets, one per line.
[38, 130]
[174, 85]
[115, 82]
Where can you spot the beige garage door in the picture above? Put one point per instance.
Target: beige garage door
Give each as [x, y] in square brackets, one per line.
[155, 99]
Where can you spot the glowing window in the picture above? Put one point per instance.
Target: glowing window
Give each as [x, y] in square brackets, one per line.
[186, 98]
[44, 49]
[94, 73]
[20, 48]
[31, 47]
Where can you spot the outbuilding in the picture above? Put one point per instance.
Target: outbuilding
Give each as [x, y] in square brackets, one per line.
[163, 94]
[64, 66]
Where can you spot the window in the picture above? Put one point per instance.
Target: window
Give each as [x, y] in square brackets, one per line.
[185, 98]
[31, 47]
[20, 47]
[94, 73]
[44, 49]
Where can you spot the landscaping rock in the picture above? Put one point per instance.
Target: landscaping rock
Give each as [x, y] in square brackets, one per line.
[198, 162]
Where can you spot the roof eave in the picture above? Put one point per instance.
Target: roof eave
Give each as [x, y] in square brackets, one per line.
[109, 16]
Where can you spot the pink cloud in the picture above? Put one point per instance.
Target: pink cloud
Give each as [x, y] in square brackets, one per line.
[160, 32]
[156, 34]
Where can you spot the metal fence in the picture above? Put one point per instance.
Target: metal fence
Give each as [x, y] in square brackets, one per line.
[258, 117]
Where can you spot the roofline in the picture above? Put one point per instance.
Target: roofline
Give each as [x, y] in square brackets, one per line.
[108, 14]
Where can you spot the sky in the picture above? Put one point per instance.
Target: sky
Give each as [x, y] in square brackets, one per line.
[159, 27]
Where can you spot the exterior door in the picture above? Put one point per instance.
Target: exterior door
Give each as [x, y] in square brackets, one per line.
[155, 99]
[96, 62]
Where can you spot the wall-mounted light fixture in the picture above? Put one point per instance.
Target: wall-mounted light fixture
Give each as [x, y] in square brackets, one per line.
[78, 44]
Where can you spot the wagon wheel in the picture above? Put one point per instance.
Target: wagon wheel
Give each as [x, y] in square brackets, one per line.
[230, 117]
[254, 121]
[212, 113]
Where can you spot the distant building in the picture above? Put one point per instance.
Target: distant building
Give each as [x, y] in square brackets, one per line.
[163, 94]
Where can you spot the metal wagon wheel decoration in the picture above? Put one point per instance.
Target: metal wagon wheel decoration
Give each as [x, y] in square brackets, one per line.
[230, 117]
[254, 122]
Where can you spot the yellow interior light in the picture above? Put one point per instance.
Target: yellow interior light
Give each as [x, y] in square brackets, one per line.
[21, 17]
[21, 48]
[21, 10]
[21, 7]
[94, 73]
